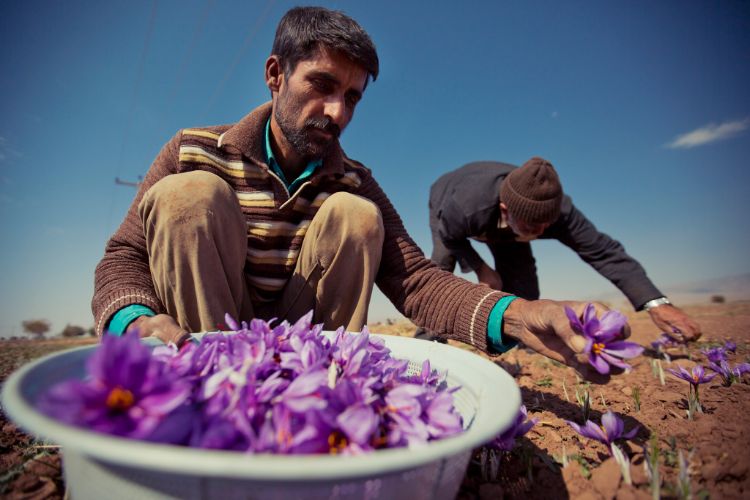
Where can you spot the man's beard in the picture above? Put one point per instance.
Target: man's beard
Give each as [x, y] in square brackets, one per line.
[305, 143]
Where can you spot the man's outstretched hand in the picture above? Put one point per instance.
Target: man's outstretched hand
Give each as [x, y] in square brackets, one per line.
[543, 326]
[675, 322]
[162, 326]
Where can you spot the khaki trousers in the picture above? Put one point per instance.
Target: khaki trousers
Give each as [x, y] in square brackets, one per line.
[196, 236]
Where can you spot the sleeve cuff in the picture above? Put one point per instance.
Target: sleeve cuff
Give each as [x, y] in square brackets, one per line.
[122, 318]
[495, 326]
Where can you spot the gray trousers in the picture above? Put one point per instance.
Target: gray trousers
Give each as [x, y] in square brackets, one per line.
[514, 262]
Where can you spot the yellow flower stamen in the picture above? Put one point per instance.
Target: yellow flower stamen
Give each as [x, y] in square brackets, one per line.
[120, 399]
[336, 442]
[598, 348]
[284, 437]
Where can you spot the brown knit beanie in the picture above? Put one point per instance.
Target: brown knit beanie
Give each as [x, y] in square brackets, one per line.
[533, 193]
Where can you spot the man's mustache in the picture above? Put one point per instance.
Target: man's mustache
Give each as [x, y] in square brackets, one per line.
[324, 124]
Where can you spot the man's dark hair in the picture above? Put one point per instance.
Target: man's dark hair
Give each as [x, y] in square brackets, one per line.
[303, 30]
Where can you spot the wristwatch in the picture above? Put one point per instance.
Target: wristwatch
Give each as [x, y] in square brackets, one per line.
[655, 303]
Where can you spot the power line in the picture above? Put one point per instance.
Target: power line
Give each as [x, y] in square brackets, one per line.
[129, 183]
[197, 33]
[131, 111]
[248, 39]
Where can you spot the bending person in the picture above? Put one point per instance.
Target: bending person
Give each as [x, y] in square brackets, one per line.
[506, 207]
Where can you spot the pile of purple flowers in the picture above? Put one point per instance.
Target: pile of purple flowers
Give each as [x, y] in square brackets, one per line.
[603, 344]
[275, 389]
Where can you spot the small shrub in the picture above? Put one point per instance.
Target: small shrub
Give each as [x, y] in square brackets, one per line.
[36, 327]
[72, 331]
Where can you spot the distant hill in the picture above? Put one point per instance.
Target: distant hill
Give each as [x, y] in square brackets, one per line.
[732, 288]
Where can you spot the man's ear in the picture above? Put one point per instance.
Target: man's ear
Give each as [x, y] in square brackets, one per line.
[274, 73]
[503, 212]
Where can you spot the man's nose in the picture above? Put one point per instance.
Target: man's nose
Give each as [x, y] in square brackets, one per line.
[335, 109]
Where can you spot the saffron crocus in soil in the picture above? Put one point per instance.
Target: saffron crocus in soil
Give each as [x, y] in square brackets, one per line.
[695, 377]
[664, 341]
[522, 424]
[728, 374]
[602, 344]
[611, 429]
[715, 354]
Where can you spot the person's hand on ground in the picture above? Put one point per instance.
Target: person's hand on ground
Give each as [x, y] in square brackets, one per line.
[675, 323]
[543, 326]
[161, 326]
[488, 276]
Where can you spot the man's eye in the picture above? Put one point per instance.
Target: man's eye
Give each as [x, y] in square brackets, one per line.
[322, 85]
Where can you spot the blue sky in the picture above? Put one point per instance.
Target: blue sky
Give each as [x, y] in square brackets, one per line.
[643, 107]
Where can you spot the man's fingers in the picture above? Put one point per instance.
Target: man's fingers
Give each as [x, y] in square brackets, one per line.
[161, 326]
[626, 331]
[577, 343]
[169, 335]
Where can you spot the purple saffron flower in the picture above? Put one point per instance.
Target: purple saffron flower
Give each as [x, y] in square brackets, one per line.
[306, 392]
[293, 435]
[507, 440]
[404, 411]
[307, 355]
[715, 354]
[427, 376]
[442, 418]
[358, 424]
[730, 346]
[611, 430]
[129, 393]
[600, 334]
[664, 341]
[350, 351]
[697, 376]
[728, 374]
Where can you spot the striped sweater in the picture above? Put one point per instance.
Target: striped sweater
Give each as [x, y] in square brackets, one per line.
[276, 227]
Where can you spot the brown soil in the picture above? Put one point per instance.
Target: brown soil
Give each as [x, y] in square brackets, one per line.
[715, 442]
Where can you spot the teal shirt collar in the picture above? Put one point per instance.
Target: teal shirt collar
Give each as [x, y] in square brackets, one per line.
[276, 169]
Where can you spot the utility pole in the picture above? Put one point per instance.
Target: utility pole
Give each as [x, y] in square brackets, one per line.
[129, 183]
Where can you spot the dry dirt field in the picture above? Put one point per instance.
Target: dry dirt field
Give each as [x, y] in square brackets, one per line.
[551, 461]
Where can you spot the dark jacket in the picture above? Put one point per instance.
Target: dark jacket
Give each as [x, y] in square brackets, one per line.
[465, 204]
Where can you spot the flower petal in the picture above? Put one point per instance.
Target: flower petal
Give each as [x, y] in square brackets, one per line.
[575, 323]
[623, 349]
[600, 364]
[612, 323]
[358, 422]
[612, 424]
[615, 361]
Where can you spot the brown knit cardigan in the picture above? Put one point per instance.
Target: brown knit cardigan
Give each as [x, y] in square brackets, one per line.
[430, 297]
